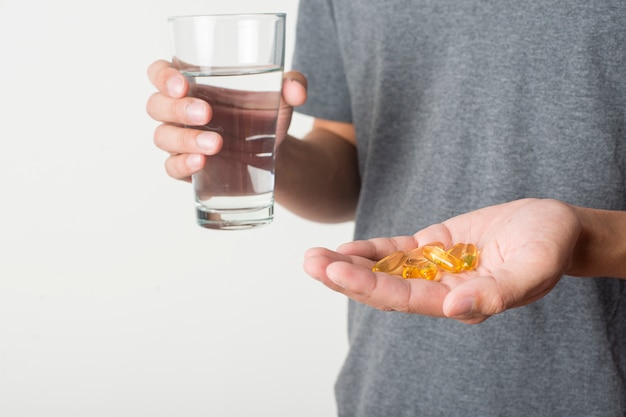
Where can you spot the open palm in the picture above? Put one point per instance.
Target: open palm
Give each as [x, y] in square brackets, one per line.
[525, 247]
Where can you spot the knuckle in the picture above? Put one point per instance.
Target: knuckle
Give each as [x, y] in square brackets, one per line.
[161, 73]
[160, 78]
[187, 139]
[173, 167]
[174, 139]
[158, 135]
[178, 108]
[151, 105]
[168, 167]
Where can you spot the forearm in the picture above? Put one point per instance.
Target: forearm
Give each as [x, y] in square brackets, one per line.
[317, 177]
[601, 246]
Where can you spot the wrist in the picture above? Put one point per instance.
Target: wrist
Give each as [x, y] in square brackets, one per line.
[601, 246]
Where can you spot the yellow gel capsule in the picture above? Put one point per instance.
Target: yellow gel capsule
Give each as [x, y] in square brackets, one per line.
[470, 257]
[466, 253]
[391, 264]
[436, 244]
[420, 268]
[442, 259]
[457, 250]
[415, 253]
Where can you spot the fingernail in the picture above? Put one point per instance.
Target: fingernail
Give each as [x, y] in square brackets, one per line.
[196, 112]
[194, 162]
[207, 141]
[175, 86]
[463, 307]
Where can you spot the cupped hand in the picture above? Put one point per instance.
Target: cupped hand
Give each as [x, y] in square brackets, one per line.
[188, 147]
[525, 247]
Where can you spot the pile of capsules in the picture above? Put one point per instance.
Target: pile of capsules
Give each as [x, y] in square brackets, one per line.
[427, 262]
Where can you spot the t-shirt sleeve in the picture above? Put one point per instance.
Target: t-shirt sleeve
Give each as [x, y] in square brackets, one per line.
[318, 56]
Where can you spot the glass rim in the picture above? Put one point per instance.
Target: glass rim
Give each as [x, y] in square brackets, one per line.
[226, 16]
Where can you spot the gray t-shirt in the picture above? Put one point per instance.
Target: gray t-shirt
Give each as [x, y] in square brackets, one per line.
[460, 104]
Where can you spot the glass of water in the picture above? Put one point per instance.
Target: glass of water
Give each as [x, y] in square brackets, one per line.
[235, 63]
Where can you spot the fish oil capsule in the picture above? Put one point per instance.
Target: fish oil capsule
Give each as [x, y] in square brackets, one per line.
[420, 268]
[416, 253]
[457, 250]
[442, 259]
[466, 253]
[436, 244]
[391, 264]
[469, 260]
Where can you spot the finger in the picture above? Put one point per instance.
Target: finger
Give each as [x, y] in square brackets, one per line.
[378, 248]
[182, 167]
[502, 290]
[366, 287]
[316, 261]
[294, 88]
[388, 292]
[478, 297]
[167, 79]
[434, 233]
[186, 111]
[179, 140]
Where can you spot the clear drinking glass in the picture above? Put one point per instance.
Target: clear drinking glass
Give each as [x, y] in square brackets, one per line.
[235, 63]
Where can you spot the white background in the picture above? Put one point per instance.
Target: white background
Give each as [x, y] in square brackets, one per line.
[112, 301]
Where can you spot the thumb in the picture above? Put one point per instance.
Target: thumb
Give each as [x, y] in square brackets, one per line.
[479, 298]
[293, 94]
[294, 88]
[476, 300]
